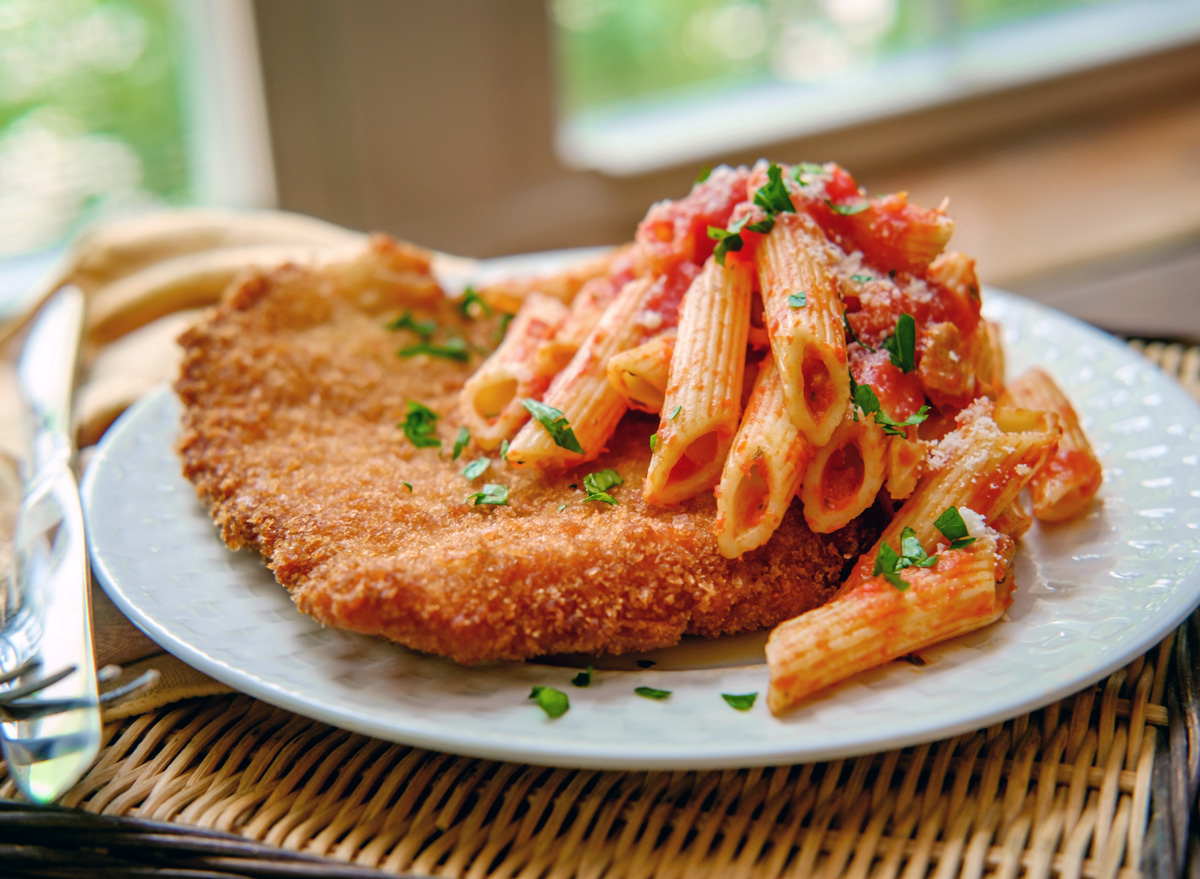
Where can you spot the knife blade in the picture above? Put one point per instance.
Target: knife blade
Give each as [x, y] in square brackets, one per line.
[51, 627]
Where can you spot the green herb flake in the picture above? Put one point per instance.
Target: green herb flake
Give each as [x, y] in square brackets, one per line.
[420, 426]
[597, 485]
[851, 336]
[423, 328]
[460, 442]
[501, 328]
[675, 413]
[762, 226]
[864, 398]
[554, 702]
[902, 344]
[810, 168]
[861, 279]
[705, 173]
[773, 197]
[740, 701]
[653, 441]
[953, 528]
[561, 507]
[889, 563]
[848, 210]
[555, 423]
[652, 693]
[503, 448]
[798, 300]
[727, 242]
[584, 678]
[407, 485]
[496, 495]
[476, 468]
[469, 299]
[451, 349]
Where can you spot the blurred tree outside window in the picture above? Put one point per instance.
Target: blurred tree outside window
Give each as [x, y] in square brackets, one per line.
[91, 123]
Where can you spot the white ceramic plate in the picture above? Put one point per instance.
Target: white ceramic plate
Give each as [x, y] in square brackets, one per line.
[1092, 595]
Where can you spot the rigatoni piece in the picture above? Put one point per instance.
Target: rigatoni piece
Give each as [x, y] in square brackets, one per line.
[804, 322]
[1063, 487]
[640, 374]
[982, 466]
[844, 476]
[763, 469]
[581, 392]
[521, 367]
[703, 399]
[876, 622]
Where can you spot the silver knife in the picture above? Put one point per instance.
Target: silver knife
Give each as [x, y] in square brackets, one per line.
[49, 630]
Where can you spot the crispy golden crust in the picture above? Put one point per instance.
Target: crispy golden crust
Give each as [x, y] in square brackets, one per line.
[292, 393]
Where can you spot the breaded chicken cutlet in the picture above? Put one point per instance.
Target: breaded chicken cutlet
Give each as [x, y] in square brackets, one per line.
[293, 392]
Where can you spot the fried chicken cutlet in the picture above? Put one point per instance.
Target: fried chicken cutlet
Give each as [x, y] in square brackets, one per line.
[293, 392]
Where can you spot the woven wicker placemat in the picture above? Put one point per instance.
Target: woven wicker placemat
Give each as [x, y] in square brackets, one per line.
[1098, 785]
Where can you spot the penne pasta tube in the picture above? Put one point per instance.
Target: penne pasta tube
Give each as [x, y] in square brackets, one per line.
[845, 475]
[803, 314]
[982, 466]
[589, 404]
[1063, 487]
[763, 469]
[1014, 520]
[508, 294]
[702, 403]
[521, 367]
[640, 374]
[877, 622]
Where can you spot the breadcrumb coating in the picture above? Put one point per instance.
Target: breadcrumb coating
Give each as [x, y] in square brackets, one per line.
[293, 392]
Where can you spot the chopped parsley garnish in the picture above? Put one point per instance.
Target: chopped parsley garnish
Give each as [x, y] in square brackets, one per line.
[476, 468]
[848, 210]
[798, 300]
[451, 349]
[864, 398]
[653, 441]
[851, 336]
[727, 242]
[555, 423]
[740, 701]
[705, 171]
[598, 484]
[554, 702]
[501, 328]
[494, 494]
[469, 298]
[773, 197]
[652, 693]
[675, 413]
[646, 663]
[584, 677]
[902, 344]
[460, 442]
[420, 425]
[807, 168]
[423, 328]
[953, 528]
[503, 448]
[889, 563]
[561, 507]
[407, 485]
[861, 279]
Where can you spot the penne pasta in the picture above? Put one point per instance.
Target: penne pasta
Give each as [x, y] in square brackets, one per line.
[640, 374]
[582, 392]
[876, 622]
[844, 476]
[804, 322]
[702, 403]
[1064, 486]
[763, 470]
[521, 367]
[905, 461]
[1014, 520]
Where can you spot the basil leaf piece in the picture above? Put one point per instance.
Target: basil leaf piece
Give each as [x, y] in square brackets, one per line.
[584, 677]
[763, 226]
[597, 485]
[848, 210]
[407, 485]
[675, 413]
[851, 336]
[451, 349]
[496, 495]
[460, 442]
[470, 298]
[503, 448]
[951, 524]
[476, 468]
[652, 693]
[554, 702]
[773, 197]
[798, 300]
[705, 171]
[962, 543]
[561, 507]
[807, 168]
[865, 399]
[420, 426]
[501, 328]
[902, 344]
[653, 441]
[423, 328]
[727, 242]
[555, 423]
[861, 279]
[740, 701]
